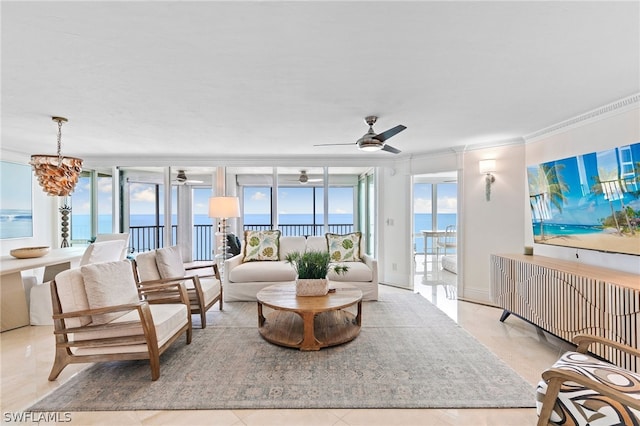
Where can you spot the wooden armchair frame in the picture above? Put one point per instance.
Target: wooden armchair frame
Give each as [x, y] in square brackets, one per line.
[555, 377]
[196, 295]
[170, 292]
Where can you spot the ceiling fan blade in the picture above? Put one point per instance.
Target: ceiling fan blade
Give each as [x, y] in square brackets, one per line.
[391, 149]
[332, 144]
[391, 132]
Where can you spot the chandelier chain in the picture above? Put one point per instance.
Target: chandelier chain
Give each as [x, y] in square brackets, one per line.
[60, 140]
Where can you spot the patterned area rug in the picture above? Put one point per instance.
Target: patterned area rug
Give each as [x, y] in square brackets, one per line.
[408, 355]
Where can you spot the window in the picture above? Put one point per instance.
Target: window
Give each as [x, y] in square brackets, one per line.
[257, 207]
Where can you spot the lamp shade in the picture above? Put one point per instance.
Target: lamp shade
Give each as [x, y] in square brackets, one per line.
[487, 166]
[224, 207]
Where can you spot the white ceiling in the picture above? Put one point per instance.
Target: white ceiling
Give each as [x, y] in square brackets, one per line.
[192, 83]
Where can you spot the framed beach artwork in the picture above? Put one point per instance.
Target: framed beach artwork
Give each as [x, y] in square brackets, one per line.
[590, 201]
[16, 201]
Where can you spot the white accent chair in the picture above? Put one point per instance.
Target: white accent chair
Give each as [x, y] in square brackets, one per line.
[107, 250]
[101, 315]
[166, 264]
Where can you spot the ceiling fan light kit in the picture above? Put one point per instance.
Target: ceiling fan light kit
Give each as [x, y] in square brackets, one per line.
[369, 145]
[372, 141]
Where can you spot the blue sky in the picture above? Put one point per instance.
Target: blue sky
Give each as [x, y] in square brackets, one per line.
[447, 202]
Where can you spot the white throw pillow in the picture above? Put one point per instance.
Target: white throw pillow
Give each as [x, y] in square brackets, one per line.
[109, 284]
[105, 251]
[169, 261]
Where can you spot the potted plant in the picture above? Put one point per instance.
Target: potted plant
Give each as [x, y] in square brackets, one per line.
[312, 268]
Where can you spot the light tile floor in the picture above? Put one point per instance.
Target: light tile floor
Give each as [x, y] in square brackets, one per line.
[27, 354]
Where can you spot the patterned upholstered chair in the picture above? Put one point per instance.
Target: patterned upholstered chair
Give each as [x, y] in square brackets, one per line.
[101, 315]
[580, 389]
[166, 264]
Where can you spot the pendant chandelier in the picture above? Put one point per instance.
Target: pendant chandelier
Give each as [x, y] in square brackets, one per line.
[57, 175]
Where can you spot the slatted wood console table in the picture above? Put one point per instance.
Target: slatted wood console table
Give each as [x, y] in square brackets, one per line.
[567, 298]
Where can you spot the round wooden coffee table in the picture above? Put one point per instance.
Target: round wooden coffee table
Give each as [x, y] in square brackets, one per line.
[308, 322]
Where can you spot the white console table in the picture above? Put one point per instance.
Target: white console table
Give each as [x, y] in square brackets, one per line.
[14, 311]
[566, 298]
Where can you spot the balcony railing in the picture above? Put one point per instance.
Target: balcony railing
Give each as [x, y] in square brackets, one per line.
[145, 238]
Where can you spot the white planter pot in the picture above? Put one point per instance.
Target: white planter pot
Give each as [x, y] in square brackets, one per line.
[312, 287]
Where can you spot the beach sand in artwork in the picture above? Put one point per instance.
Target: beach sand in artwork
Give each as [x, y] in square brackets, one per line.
[599, 241]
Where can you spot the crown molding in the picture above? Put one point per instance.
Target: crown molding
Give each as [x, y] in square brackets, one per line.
[619, 106]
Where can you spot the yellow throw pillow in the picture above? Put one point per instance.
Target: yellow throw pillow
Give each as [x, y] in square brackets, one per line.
[261, 245]
[344, 248]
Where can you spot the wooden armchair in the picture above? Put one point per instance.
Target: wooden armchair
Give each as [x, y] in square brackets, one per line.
[101, 315]
[165, 265]
[581, 390]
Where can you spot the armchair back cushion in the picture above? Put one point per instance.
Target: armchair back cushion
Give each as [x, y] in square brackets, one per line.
[147, 266]
[109, 284]
[169, 261]
[73, 296]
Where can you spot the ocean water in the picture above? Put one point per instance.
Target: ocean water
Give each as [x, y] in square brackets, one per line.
[15, 223]
[80, 225]
[562, 229]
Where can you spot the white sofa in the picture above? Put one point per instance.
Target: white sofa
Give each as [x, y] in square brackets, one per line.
[243, 280]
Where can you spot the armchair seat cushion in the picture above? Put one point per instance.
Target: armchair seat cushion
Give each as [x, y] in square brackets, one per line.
[578, 405]
[167, 319]
[210, 288]
[262, 272]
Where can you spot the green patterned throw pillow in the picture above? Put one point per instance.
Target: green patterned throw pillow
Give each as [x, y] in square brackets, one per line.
[344, 248]
[261, 245]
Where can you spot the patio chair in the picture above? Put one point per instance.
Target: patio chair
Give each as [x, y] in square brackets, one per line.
[449, 239]
[101, 315]
[166, 264]
[580, 389]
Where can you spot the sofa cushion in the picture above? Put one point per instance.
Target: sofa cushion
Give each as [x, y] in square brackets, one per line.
[262, 272]
[169, 261]
[109, 284]
[344, 248]
[261, 245]
[357, 272]
[291, 244]
[316, 243]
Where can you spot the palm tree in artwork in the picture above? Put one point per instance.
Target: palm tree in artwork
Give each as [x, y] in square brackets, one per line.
[547, 189]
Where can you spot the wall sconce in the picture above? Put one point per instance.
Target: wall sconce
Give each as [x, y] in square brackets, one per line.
[487, 167]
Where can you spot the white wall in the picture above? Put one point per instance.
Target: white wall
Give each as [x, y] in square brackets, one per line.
[394, 225]
[605, 131]
[45, 221]
[486, 227]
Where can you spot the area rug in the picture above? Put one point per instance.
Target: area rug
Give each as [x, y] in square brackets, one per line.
[409, 354]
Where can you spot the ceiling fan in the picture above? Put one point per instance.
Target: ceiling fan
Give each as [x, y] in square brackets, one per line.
[182, 179]
[304, 178]
[372, 141]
